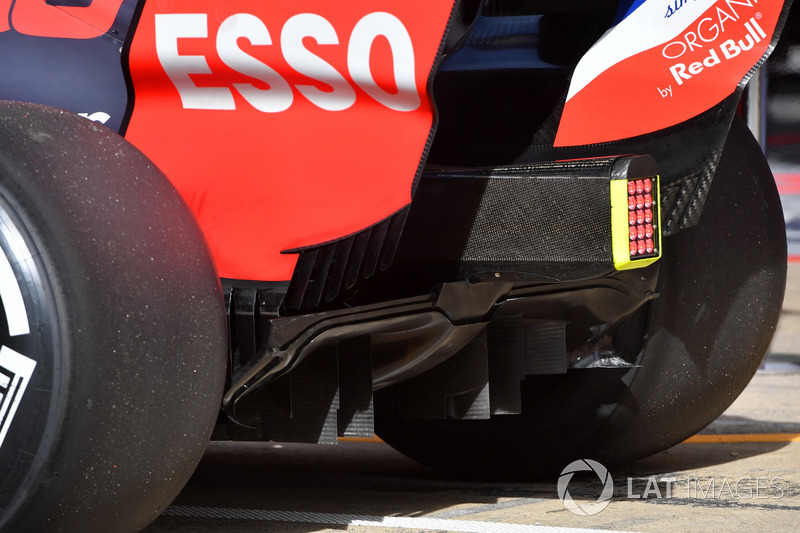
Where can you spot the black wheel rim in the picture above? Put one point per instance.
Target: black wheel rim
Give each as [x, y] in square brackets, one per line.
[32, 371]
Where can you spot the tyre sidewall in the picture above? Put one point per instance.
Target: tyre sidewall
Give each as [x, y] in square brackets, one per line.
[36, 422]
[141, 346]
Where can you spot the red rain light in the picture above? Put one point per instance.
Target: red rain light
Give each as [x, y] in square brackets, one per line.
[640, 217]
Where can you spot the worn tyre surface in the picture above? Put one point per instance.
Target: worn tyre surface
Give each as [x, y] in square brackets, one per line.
[112, 311]
[721, 288]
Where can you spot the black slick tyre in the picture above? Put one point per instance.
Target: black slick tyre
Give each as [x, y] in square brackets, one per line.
[112, 330]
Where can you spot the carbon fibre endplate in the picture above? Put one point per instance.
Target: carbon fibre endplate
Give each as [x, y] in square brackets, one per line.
[562, 219]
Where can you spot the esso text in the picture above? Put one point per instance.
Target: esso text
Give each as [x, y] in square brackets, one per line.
[279, 95]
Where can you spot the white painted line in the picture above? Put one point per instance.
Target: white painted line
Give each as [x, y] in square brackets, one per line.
[429, 524]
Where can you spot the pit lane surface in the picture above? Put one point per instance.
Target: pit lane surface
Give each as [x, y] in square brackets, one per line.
[362, 487]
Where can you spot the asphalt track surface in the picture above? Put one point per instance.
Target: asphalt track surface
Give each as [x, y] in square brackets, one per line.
[741, 474]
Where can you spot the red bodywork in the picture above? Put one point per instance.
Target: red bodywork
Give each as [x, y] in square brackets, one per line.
[320, 112]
